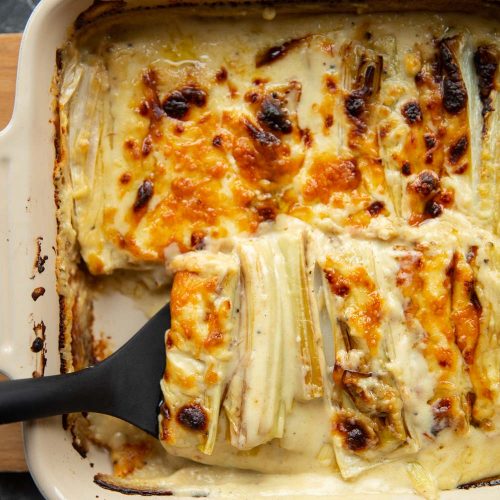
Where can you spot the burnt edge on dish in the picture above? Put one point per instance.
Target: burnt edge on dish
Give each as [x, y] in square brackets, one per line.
[40, 260]
[37, 292]
[75, 311]
[480, 483]
[39, 348]
[75, 308]
[110, 483]
[105, 8]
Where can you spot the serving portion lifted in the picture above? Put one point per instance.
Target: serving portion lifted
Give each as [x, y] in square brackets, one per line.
[323, 194]
[396, 339]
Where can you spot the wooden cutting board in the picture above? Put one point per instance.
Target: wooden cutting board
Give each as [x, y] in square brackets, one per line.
[11, 441]
[9, 50]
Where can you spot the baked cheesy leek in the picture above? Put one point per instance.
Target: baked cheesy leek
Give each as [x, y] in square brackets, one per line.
[397, 338]
[322, 192]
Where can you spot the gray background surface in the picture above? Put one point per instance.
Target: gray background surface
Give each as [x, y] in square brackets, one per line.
[14, 14]
[13, 17]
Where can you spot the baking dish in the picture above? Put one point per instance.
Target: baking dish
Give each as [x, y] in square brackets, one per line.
[28, 208]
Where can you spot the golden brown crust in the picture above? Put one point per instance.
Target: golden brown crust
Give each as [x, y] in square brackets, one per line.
[75, 304]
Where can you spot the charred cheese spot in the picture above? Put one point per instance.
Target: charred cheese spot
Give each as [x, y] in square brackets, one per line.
[195, 95]
[454, 96]
[132, 147]
[375, 208]
[221, 75]
[330, 83]
[430, 141]
[357, 435]
[461, 168]
[273, 116]
[125, 178]
[458, 149]
[261, 155]
[355, 104]
[178, 103]
[147, 145]
[193, 417]
[406, 169]
[425, 184]
[151, 106]
[338, 284]
[260, 136]
[412, 112]
[307, 137]
[198, 240]
[426, 197]
[267, 209]
[277, 52]
[454, 91]
[366, 85]
[169, 343]
[486, 65]
[217, 141]
[144, 194]
[445, 198]
[474, 299]
[433, 209]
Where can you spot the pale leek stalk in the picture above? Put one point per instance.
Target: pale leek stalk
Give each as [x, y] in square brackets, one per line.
[201, 347]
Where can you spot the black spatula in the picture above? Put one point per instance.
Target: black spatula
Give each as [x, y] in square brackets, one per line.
[125, 385]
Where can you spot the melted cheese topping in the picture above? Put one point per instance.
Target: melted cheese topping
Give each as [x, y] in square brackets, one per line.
[340, 173]
[175, 135]
[387, 309]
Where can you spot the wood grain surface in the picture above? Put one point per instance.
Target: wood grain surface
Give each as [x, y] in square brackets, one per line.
[11, 441]
[9, 49]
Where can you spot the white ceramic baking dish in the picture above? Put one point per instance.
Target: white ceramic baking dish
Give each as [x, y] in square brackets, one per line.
[27, 214]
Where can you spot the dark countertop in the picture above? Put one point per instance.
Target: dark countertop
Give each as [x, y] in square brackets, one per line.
[16, 485]
[13, 16]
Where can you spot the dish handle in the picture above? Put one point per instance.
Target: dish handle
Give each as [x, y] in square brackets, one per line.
[11, 155]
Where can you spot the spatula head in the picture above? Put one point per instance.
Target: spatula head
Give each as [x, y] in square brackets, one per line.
[134, 373]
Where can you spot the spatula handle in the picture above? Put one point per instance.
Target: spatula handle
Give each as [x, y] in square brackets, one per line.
[27, 399]
[125, 385]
